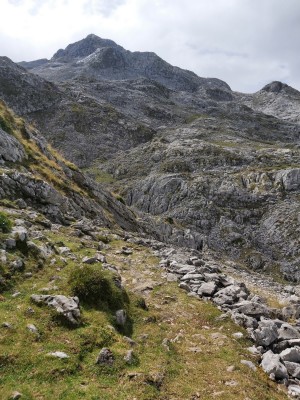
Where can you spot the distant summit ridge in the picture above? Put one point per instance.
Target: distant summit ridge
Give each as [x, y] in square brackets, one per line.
[102, 59]
[83, 48]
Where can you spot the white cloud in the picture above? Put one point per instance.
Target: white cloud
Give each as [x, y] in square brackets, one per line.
[247, 43]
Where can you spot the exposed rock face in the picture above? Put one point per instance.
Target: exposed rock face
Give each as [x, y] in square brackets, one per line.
[98, 58]
[10, 148]
[277, 99]
[221, 165]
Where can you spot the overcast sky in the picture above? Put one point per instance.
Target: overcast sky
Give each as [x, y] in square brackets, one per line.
[247, 43]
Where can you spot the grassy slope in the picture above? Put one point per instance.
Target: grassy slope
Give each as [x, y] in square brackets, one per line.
[195, 367]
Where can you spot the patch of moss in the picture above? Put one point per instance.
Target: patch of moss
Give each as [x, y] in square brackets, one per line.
[5, 223]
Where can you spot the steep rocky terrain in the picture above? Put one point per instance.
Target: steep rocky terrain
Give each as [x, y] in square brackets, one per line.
[88, 309]
[221, 164]
[87, 290]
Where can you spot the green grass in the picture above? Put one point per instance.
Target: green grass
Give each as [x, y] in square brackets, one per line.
[156, 373]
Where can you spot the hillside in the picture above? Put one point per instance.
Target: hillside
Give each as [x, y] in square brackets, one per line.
[167, 245]
[221, 164]
[63, 236]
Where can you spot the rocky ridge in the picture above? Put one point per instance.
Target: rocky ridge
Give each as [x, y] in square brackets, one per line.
[221, 164]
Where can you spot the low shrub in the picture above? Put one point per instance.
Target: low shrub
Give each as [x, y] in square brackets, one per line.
[5, 223]
[95, 287]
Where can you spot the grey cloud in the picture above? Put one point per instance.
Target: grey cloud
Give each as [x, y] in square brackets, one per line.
[104, 7]
[247, 43]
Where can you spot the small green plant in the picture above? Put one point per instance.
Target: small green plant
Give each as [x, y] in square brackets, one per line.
[5, 125]
[120, 199]
[95, 287]
[170, 220]
[5, 223]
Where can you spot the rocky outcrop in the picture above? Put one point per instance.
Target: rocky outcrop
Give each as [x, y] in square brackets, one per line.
[68, 307]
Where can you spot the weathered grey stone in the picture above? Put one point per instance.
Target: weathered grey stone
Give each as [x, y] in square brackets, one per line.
[32, 328]
[10, 244]
[292, 354]
[255, 310]
[105, 357]
[65, 306]
[129, 358]
[244, 320]
[249, 364]
[294, 390]
[16, 395]
[265, 334]
[58, 354]
[192, 276]
[10, 148]
[231, 294]
[271, 365]
[286, 332]
[293, 369]
[121, 317]
[290, 178]
[207, 289]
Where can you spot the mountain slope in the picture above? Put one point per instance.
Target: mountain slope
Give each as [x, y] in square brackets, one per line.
[224, 165]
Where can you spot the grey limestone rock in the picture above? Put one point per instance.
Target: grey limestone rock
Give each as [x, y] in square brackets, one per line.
[252, 309]
[129, 357]
[286, 332]
[292, 354]
[271, 364]
[293, 369]
[58, 354]
[10, 148]
[121, 317]
[105, 357]
[265, 334]
[68, 307]
[207, 289]
[231, 294]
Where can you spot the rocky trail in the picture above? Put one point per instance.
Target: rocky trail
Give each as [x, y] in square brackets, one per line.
[177, 336]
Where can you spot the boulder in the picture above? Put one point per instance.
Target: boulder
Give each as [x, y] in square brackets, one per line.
[243, 320]
[105, 357]
[289, 178]
[207, 289]
[292, 354]
[287, 331]
[294, 390]
[68, 307]
[255, 310]
[265, 334]
[121, 317]
[293, 369]
[231, 294]
[129, 358]
[271, 364]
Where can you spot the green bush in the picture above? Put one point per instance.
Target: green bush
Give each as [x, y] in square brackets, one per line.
[5, 223]
[95, 287]
[5, 125]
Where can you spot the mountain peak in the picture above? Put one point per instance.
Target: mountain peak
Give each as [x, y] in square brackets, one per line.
[277, 87]
[83, 48]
